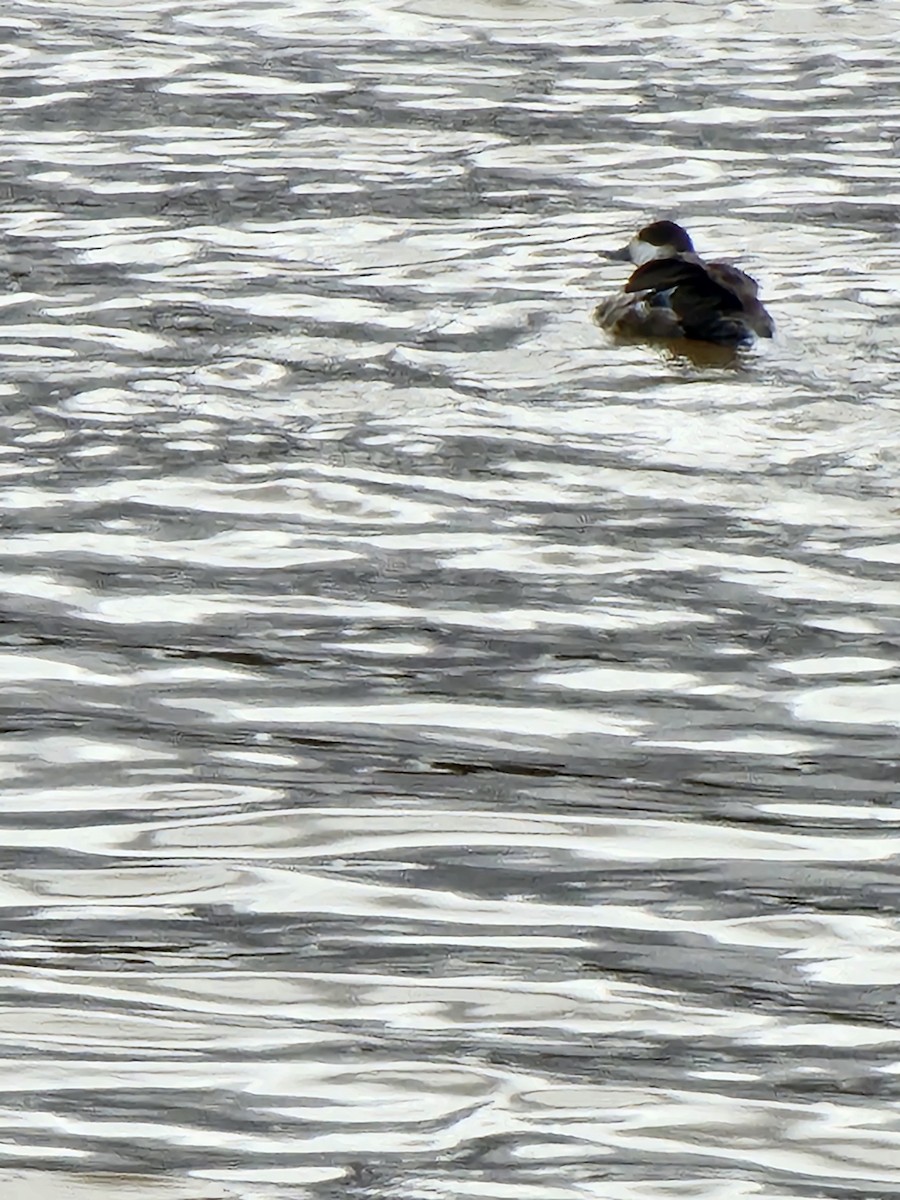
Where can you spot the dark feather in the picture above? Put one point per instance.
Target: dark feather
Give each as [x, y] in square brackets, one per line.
[689, 278]
[703, 305]
[678, 294]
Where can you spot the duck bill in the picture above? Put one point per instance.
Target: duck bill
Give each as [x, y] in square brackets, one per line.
[623, 255]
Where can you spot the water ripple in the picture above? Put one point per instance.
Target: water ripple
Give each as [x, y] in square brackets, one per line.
[446, 753]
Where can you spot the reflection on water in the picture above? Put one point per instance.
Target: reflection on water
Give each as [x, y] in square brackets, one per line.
[446, 753]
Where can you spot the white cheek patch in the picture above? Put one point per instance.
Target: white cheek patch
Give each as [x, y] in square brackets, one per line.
[642, 252]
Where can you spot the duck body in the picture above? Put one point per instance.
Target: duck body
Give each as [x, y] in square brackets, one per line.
[673, 293]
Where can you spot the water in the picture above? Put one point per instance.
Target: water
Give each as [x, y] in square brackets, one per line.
[446, 754]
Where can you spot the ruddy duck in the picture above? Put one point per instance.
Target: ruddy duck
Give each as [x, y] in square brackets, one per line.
[673, 293]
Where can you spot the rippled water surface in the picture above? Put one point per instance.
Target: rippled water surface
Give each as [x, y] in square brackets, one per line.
[446, 755]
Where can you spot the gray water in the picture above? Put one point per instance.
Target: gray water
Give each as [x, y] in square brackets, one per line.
[446, 755]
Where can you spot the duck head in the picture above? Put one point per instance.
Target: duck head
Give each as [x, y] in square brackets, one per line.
[662, 239]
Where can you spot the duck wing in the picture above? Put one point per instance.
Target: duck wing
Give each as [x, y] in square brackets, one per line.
[733, 278]
[698, 297]
[746, 289]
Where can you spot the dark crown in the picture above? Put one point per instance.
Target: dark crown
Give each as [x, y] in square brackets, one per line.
[667, 233]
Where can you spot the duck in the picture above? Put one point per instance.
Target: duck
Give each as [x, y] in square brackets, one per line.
[673, 293]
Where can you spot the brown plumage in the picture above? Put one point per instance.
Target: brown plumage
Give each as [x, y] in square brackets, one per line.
[674, 293]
